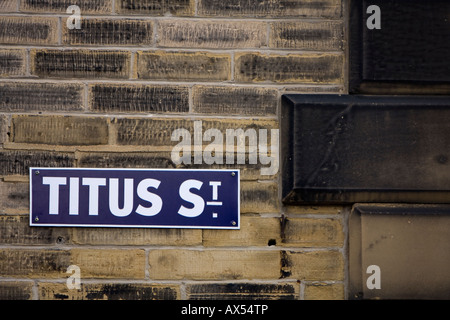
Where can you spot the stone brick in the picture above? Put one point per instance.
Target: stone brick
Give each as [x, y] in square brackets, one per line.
[315, 89]
[109, 291]
[41, 96]
[109, 32]
[174, 264]
[209, 34]
[304, 232]
[137, 236]
[160, 7]
[93, 64]
[16, 290]
[317, 35]
[5, 119]
[32, 263]
[243, 291]
[183, 66]
[15, 230]
[254, 231]
[125, 160]
[291, 68]
[109, 263]
[324, 291]
[14, 197]
[138, 98]
[293, 210]
[28, 30]
[60, 6]
[17, 162]
[272, 8]
[246, 101]
[12, 62]
[59, 130]
[247, 171]
[259, 197]
[155, 132]
[8, 6]
[93, 263]
[313, 265]
[158, 131]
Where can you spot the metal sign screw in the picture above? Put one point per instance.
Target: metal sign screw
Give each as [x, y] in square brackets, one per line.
[37, 172]
[233, 174]
[36, 219]
[233, 222]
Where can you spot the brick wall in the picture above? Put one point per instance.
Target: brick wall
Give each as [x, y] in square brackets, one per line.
[111, 93]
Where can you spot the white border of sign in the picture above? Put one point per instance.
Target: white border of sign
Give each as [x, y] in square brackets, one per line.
[237, 227]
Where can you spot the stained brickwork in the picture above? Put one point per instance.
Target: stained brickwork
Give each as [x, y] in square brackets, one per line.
[41, 96]
[28, 30]
[60, 6]
[115, 32]
[110, 95]
[12, 62]
[183, 66]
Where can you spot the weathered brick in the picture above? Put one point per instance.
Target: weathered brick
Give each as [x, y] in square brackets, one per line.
[16, 290]
[243, 291]
[291, 210]
[209, 34]
[313, 265]
[317, 35]
[8, 6]
[247, 171]
[60, 6]
[291, 68]
[109, 291]
[306, 232]
[158, 131]
[12, 62]
[5, 119]
[34, 96]
[159, 7]
[93, 263]
[147, 131]
[272, 8]
[53, 63]
[248, 101]
[14, 197]
[313, 89]
[174, 264]
[137, 236]
[17, 162]
[254, 231]
[16, 230]
[59, 130]
[259, 197]
[160, 65]
[125, 160]
[324, 291]
[109, 263]
[109, 32]
[32, 263]
[138, 98]
[28, 30]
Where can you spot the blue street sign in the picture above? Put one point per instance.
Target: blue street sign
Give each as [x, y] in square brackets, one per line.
[143, 198]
